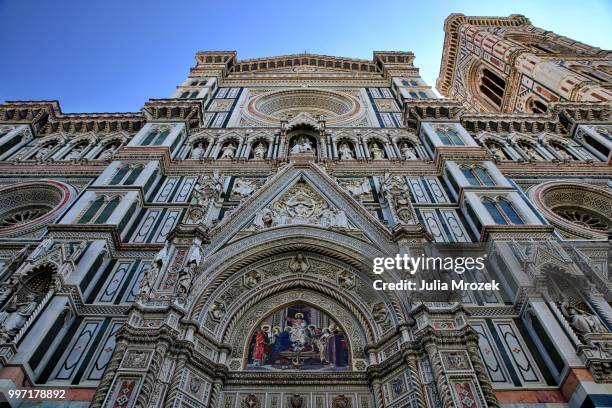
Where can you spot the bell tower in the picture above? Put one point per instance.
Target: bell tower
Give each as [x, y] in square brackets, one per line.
[505, 64]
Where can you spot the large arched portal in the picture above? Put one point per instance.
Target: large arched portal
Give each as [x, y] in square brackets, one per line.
[297, 312]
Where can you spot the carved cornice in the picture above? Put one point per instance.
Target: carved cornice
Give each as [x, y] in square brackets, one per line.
[561, 119]
[418, 110]
[174, 110]
[46, 117]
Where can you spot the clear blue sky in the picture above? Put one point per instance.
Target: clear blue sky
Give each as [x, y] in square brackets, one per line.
[113, 55]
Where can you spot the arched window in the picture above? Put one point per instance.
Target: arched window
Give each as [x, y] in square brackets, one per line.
[185, 94]
[422, 95]
[155, 137]
[537, 106]
[477, 176]
[449, 136]
[502, 211]
[563, 151]
[119, 175]
[498, 151]
[484, 176]
[91, 211]
[508, 209]
[161, 137]
[126, 175]
[107, 211]
[492, 86]
[414, 95]
[12, 142]
[133, 176]
[491, 207]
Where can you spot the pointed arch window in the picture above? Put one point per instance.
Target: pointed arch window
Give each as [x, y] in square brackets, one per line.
[133, 176]
[491, 207]
[477, 176]
[155, 137]
[502, 211]
[119, 175]
[126, 175]
[537, 106]
[107, 211]
[508, 209]
[93, 209]
[492, 86]
[449, 136]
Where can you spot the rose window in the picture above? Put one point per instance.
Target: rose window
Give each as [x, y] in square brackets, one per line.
[333, 107]
[23, 215]
[582, 218]
[26, 207]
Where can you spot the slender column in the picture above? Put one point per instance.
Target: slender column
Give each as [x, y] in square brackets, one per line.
[215, 393]
[416, 380]
[209, 148]
[378, 394]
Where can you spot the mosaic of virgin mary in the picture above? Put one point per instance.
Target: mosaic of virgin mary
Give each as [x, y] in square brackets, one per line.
[298, 337]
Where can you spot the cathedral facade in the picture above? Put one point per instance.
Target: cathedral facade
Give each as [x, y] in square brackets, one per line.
[216, 248]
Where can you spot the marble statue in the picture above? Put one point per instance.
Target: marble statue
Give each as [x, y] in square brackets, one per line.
[229, 151]
[407, 151]
[260, 151]
[198, 151]
[345, 152]
[377, 152]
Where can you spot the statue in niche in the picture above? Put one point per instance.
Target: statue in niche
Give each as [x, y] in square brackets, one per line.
[109, 151]
[345, 152]
[160, 259]
[296, 401]
[582, 321]
[561, 151]
[302, 145]
[260, 151]
[16, 315]
[497, 151]
[198, 151]
[531, 151]
[76, 152]
[229, 151]
[376, 151]
[187, 272]
[408, 151]
[251, 401]
[340, 401]
[42, 153]
[146, 283]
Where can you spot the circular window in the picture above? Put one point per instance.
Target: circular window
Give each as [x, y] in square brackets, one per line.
[25, 207]
[577, 210]
[330, 106]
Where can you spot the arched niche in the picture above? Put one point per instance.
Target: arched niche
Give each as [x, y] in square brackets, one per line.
[303, 139]
[298, 336]
[239, 334]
